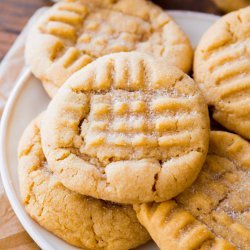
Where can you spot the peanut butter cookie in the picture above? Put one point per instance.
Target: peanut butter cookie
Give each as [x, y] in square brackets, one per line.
[127, 128]
[222, 70]
[73, 33]
[214, 212]
[81, 221]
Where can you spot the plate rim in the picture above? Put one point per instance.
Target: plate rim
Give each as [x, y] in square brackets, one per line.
[6, 118]
[193, 14]
[4, 169]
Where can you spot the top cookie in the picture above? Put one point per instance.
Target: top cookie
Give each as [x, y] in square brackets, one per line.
[222, 70]
[73, 33]
[127, 128]
[214, 212]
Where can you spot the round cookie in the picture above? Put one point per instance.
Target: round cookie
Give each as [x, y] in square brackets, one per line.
[222, 70]
[73, 33]
[219, 201]
[127, 128]
[81, 221]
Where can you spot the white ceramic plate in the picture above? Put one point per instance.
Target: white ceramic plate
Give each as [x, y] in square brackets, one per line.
[27, 100]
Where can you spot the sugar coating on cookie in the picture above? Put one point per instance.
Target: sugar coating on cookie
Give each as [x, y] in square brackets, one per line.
[81, 221]
[214, 212]
[222, 70]
[172, 227]
[71, 34]
[127, 128]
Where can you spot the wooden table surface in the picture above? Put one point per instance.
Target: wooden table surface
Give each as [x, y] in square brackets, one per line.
[15, 13]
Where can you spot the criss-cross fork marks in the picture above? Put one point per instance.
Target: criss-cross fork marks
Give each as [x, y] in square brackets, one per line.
[130, 120]
[132, 104]
[174, 228]
[65, 20]
[106, 31]
[212, 199]
[73, 59]
[92, 33]
[229, 67]
[70, 51]
[214, 209]
[74, 33]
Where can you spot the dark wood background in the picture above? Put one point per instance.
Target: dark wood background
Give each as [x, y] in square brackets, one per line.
[15, 13]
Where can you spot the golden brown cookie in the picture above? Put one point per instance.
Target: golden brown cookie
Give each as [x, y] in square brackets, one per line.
[222, 70]
[127, 128]
[73, 33]
[81, 221]
[214, 212]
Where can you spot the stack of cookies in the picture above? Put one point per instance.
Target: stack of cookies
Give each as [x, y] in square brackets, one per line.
[124, 151]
